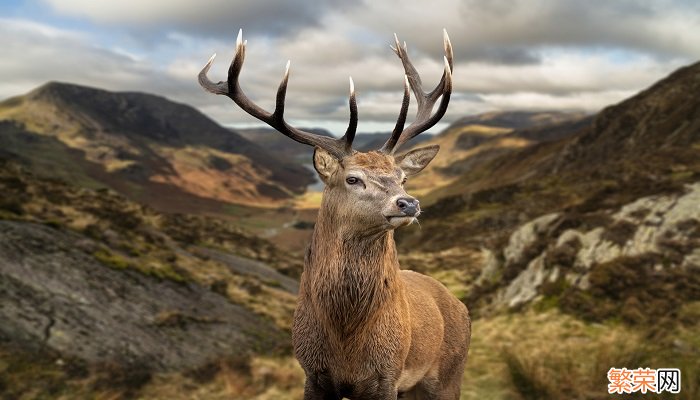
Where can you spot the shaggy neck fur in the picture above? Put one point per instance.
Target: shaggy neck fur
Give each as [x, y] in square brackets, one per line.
[351, 273]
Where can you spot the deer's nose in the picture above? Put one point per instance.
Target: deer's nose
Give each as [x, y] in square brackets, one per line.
[408, 205]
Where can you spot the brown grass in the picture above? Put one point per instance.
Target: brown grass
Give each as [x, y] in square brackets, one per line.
[529, 355]
[256, 378]
[553, 356]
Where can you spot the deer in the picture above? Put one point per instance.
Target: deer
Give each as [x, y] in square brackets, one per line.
[363, 328]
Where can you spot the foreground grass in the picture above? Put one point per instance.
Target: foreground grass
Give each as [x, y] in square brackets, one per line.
[529, 355]
[257, 378]
[548, 355]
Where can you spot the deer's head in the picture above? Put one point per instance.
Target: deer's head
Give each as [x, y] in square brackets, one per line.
[366, 189]
[363, 188]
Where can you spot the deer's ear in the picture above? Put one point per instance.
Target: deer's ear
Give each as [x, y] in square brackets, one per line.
[414, 161]
[325, 164]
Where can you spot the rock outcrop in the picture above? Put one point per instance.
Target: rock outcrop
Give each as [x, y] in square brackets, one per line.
[662, 232]
[54, 293]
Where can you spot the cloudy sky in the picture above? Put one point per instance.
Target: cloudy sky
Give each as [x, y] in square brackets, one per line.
[509, 54]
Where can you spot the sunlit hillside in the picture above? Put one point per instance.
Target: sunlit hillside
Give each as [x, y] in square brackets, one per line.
[150, 149]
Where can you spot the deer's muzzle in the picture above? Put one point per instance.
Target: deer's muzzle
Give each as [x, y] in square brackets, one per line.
[409, 206]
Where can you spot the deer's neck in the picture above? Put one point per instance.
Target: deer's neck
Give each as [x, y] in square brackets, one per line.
[351, 275]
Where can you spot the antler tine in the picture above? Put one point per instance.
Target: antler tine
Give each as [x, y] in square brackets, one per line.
[339, 148]
[401, 121]
[426, 101]
[352, 125]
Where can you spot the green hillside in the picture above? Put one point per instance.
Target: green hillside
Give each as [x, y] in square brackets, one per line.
[146, 147]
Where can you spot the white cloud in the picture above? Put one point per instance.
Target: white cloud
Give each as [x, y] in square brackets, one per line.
[38, 53]
[563, 73]
[590, 101]
[509, 54]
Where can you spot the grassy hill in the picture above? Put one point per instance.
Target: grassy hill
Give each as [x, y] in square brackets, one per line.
[146, 147]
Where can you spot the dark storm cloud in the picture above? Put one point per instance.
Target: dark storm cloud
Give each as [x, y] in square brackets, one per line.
[501, 55]
[214, 18]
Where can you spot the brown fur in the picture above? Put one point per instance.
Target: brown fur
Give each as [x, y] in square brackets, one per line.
[364, 329]
[373, 161]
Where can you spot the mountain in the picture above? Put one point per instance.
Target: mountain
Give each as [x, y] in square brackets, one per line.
[153, 150]
[277, 143]
[553, 131]
[474, 140]
[517, 119]
[641, 142]
[591, 223]
[374, 141]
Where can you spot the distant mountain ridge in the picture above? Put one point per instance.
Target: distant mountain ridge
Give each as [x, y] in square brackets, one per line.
[280, 144]
[476, 139]
[649, 136]
[277, 143]
[518, 119]
[145, 146]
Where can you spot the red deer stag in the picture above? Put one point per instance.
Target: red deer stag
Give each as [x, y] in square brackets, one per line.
[363, 328]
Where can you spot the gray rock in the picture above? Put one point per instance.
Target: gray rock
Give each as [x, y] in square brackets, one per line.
[525, 236]
[524, 287]
[54, 294]
[491, 270]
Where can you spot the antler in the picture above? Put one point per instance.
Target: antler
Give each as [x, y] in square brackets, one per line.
[426, 101]
[231, 88]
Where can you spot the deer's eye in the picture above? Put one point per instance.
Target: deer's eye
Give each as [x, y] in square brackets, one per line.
[351, 180]
[404, 180]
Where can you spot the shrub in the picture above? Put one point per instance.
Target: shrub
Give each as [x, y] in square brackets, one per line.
[633, 290]
[620, 232]
[564, 255]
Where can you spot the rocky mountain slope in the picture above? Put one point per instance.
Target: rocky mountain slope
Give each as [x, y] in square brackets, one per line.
[644, 255]
[592, 223]
[89, 279]
[146, 147]
[55, 293]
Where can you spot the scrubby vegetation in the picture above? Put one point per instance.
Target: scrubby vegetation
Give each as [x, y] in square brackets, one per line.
[42, 374]
[634, 290]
